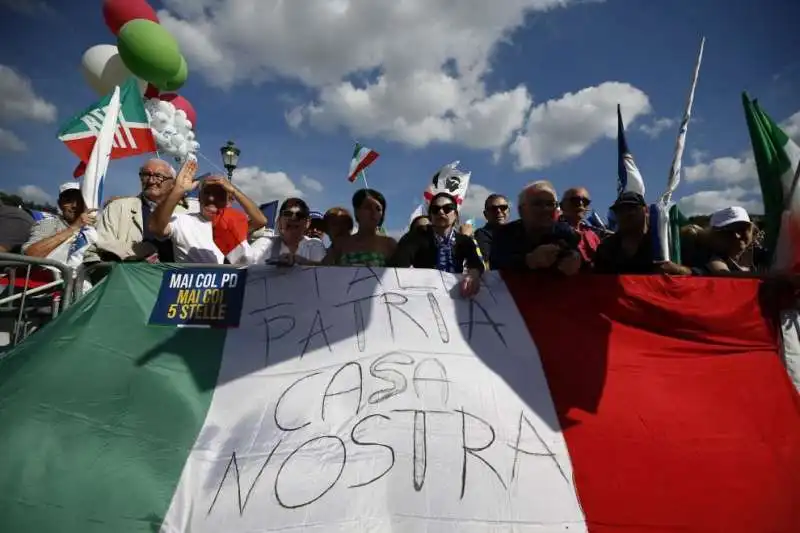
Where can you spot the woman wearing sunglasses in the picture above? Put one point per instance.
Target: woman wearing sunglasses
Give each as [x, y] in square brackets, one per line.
[366, 247]
[291, 245]
[440, 246]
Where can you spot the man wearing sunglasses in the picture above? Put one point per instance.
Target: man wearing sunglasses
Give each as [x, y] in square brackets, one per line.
[538, 240]
[122, 229]
[574, 207]
[496, 211]
[291, 246]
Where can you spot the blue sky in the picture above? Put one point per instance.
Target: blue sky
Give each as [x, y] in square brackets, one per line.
[514, 92]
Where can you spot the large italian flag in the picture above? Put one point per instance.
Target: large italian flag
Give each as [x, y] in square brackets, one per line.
[360, 400]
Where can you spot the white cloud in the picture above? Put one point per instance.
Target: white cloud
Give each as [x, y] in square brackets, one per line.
[311, 184]
[729, 170]
[9, 142]
[564, 128]
[706, 202]
[18, 101]
[792, 127]
[262, 186]
[473, 203]
[657, 126]
[35, 194]
[413, 71]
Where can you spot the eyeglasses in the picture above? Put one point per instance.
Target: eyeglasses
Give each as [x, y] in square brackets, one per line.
[544, 204]
[579, 201]
[445, 209]
[294, 214]
[148, 174]
[501, 208]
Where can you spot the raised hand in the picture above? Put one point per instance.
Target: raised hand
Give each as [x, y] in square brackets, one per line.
[185, 181]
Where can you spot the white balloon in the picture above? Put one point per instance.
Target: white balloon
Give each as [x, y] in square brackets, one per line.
[103, 69]
[172, 131]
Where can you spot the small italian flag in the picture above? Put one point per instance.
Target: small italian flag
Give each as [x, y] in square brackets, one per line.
[362, 158]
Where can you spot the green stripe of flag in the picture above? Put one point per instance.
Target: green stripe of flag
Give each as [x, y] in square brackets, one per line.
[123, 435]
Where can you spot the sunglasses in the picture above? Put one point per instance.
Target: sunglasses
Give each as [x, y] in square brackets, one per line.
[579, 201]
[502, 208]
[294, 214]
[147, 174]
[444, 209]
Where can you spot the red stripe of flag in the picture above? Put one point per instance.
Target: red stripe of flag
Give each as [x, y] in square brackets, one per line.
[372, 155]
[675, 407]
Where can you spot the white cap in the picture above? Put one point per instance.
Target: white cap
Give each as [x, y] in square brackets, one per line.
[728, 216]
[68, 186]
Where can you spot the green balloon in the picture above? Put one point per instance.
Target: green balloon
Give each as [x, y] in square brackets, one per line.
[149, 51]
[178, 80]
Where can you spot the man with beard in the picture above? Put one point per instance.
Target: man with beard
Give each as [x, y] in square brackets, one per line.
[51, 237]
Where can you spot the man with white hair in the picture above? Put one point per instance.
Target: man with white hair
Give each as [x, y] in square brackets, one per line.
[538, 240]
[122, 228]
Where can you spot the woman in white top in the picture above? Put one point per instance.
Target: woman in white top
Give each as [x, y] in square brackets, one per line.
[290, 246]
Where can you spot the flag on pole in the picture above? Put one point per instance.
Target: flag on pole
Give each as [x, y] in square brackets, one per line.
[629, 179]
[777, 162]
[675, 169]
[670, 411]
[362, 158]
[132, 135]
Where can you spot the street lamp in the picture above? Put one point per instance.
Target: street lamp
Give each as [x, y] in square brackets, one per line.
[230, 158]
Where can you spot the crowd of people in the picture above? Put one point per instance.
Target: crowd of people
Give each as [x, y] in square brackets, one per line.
[162, 223]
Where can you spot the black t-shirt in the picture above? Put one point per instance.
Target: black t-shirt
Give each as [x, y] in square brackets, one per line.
[611, 258]
[15, 227]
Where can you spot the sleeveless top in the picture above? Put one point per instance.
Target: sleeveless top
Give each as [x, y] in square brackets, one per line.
[372, 259]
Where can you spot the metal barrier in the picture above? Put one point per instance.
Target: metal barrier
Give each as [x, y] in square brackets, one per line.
[22, 307]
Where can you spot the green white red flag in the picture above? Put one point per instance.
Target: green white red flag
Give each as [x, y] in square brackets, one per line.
[364, 400]
[362, 158]
[133, 135]
[777, 160]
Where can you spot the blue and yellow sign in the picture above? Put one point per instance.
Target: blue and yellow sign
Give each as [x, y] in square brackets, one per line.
[200, 297]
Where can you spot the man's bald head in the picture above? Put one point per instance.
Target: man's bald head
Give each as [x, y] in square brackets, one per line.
[575, 204]
[158, 178]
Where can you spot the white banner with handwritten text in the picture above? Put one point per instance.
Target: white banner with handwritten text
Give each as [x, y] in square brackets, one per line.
[377, 400]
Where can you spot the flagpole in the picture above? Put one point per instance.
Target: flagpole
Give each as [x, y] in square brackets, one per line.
[364, 176]
[675, 170]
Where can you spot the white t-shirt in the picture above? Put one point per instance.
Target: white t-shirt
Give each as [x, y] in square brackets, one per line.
[193, 239]
[263, 249]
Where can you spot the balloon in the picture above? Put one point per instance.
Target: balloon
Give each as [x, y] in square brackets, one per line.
[117, 13]
[179, 102]
[177, 81]
[149, 51]
[103, 69]
[171, 129]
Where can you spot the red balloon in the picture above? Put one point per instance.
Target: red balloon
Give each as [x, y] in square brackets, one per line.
[118, 12]
[181, 103]
[151, 92]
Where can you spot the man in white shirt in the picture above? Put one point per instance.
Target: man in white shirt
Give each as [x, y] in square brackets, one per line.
[193, 234]
[291, 245]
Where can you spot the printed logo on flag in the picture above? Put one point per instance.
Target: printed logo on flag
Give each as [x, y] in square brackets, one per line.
[200, 297]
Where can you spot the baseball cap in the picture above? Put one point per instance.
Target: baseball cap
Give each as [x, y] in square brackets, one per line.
[629, 198]
[68, 186]
[728, 216]
[316, 215]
